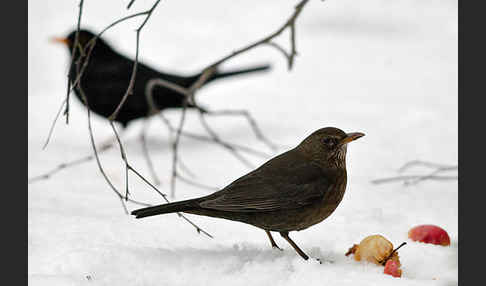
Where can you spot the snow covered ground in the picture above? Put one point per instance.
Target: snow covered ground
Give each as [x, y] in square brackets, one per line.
[387, 68]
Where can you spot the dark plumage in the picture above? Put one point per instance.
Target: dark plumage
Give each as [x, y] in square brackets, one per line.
[292, 191]
[108, 73]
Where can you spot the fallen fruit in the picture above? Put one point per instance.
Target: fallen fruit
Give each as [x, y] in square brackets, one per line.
[429, 234]
[376, 249]
[393, 268]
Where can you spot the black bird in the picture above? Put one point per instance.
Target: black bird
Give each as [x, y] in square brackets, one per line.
[292, 191]
[108, 73]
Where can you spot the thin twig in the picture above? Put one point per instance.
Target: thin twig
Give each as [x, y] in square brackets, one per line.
[409, 180]
[146, 152]
[179, 132]
[164, 196]
[413, 163]
[216, 138]
[98, 162]
[199, 137]
[129, 91]
[253, 124]
[130, 4]
[171, 131]
[92, 42]
[73, 52]
[124, 157]
[283, 51]
[63, 166]
[186, 169]
[175, 147]
[54, 124]
[290, 23]
[113, 188]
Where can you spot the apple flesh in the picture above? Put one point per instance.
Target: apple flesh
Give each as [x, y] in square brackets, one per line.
[392, 268]
[429, 234]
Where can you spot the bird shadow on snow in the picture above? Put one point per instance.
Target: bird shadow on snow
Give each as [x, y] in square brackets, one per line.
[234, 257]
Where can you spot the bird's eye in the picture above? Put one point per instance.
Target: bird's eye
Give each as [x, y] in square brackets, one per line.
[329, 141]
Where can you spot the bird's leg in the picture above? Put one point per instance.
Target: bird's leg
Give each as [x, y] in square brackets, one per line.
[274, 245]
[285, 234]
[145, 152]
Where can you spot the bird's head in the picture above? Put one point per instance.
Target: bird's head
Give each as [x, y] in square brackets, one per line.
[327, 146]
[84, 38]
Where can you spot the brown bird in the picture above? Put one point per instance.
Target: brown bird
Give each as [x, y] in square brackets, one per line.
[291, 192]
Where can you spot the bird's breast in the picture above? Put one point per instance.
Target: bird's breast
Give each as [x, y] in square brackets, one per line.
[325, 207]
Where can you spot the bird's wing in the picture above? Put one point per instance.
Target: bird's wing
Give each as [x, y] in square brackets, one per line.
[287, 184]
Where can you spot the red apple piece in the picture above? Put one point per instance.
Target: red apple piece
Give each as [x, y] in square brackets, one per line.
[429, 234]
[392, 268]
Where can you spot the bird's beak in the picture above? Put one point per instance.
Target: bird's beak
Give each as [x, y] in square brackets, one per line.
[351, 137]
[59, 40]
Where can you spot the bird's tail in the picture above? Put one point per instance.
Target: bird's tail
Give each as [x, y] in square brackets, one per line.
[259, 68]
[166, 208]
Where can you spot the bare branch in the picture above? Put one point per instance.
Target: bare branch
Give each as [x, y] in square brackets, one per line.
[179, 132]
[63, 166]
[54, 124]
[194, 136]
[290, 23]
[175, 147]
[283, 51]
[92, 42]
[76, 41]
[249, 118]
[415, 179]
[124, 157]
[130, 4]
[216, 138]
[146, 152]
[406, 178]
[413, 163]
[93, 145]
[119, 195]
[129, 91]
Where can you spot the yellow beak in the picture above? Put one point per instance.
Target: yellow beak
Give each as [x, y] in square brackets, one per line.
[59, 40]
[351, 137]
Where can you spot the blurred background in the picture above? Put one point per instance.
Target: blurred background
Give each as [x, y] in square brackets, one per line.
[387, 68]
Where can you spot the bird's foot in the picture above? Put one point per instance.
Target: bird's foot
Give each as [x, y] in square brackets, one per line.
[276, 247]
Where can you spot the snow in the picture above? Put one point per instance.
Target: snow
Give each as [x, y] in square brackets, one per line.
[387, 68]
